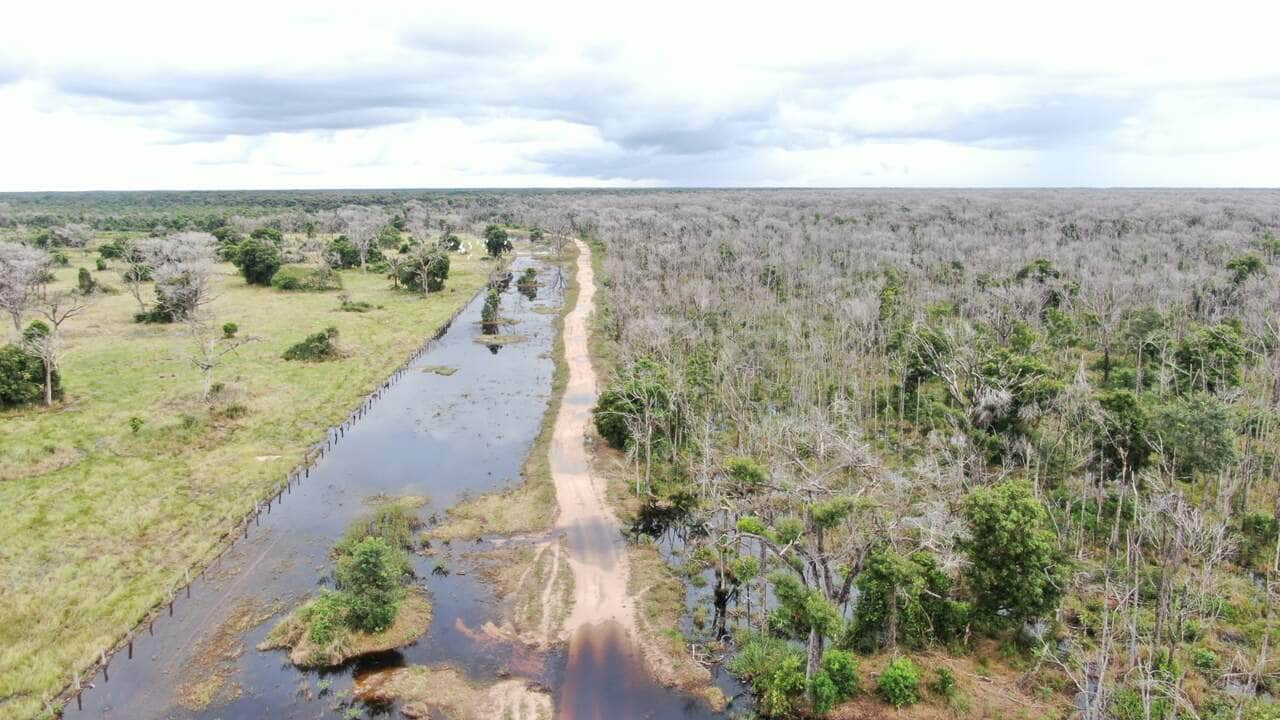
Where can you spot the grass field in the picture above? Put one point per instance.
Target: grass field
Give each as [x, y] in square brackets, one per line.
[101, 523]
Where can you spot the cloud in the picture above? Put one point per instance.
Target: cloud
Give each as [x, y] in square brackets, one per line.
[587, 95]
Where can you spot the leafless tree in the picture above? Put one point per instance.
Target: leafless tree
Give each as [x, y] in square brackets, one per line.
[23, 272]
[361, 225]
[56, 307]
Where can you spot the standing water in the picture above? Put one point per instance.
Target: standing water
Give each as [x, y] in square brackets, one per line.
[442, 437]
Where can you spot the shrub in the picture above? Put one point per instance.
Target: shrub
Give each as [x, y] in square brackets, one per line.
[775, 670]
[114, 249]
[298, 277]
[135, 424]
[317, 346]
[372, 577]
[780, 688]
[451, 242]
[944, 682]
[289, 277]
[610, 418]
[230, 329]
[60, 258]
[842, 668]
[85, 282]
[258, 260]
[492, 306]
[823, 693]
[1204, 659]
[900, 682]
[100, 264]
[326, 616]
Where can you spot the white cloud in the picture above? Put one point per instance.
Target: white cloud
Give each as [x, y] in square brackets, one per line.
[379, 94]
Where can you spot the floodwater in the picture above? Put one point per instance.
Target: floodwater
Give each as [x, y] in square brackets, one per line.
[442, 437]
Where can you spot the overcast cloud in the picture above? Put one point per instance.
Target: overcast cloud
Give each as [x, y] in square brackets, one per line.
[371, 94]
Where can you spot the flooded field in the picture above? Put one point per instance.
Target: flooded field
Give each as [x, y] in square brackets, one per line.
[459, 422]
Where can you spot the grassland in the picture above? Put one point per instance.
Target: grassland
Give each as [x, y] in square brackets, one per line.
[102, 523]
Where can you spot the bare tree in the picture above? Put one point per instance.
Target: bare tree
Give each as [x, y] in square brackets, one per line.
[46, 343]
[361, 225]
[209, 347]
[183, 268]
[23, 272]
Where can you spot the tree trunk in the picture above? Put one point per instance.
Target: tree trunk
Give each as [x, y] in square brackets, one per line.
[815, 656]
[48, 384]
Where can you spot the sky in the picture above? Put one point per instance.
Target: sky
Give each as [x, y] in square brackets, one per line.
[269, 94]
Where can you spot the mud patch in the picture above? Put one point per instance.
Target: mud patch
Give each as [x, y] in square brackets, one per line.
[444, 370]
[493, 340]
[535, 587]
[419, 690]
[529, 507]
[204, 680]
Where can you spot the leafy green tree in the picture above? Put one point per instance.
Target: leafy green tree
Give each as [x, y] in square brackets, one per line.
[805, 613]
[1210, 358]
[372, 577]
[342, 253]
[22, 378]
[902, 599]
[258, 260]
[1246, 266]
[268, 233]
[1014, 570]
[496, 240]
[1123, 435]
[1195, 434]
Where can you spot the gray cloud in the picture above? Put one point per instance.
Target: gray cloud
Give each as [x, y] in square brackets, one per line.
[476, 74]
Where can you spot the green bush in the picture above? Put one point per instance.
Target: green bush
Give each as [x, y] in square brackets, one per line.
[258, 260]
[230, 329]
[372, 577]
[775, 670]
[900, 682]
[299, 277]
[492, 306]
[316, 347]
[842, 668]
[113, 249]
[823, 693]
[100, 264]
[944, 682]
[610, 418]
[326, 615]
[1204, 659]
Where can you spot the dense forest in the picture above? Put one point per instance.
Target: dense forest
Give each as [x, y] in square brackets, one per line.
[911, 419]
[1038, 427]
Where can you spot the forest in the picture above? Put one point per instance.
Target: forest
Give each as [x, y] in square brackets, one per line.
[959, 453]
